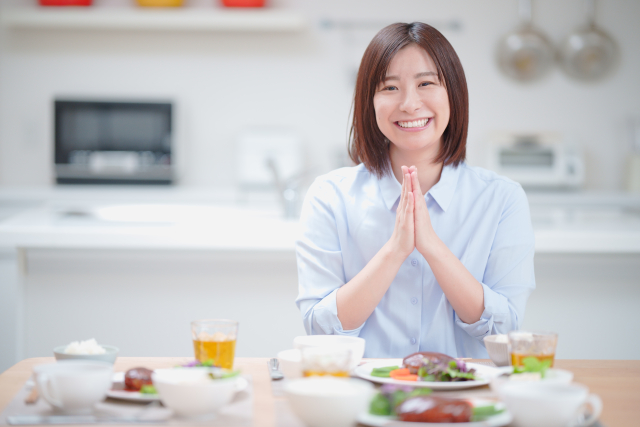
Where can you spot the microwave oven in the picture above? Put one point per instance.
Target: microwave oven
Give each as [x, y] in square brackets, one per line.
[536, 160]
[105, 142]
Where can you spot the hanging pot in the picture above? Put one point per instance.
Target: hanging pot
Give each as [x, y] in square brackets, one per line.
[525, 54]
[588, 53]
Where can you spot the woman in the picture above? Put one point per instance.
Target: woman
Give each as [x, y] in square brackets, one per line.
[412, 249]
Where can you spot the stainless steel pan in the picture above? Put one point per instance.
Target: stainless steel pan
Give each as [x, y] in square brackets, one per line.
[525, 54]
[588, 53]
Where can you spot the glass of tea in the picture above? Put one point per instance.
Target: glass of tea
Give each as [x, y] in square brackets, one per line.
[541, 345]
[215, 340]
[321, 361]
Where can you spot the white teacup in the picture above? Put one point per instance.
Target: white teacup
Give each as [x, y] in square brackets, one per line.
[550, 405]
[74, 386]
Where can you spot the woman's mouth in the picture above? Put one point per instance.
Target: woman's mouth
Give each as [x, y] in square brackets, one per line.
[413, 125]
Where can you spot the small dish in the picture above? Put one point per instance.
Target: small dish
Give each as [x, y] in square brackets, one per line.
[110, 355]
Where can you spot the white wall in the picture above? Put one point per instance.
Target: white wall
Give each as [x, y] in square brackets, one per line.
[224, 82]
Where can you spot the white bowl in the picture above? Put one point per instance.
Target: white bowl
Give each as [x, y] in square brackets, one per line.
[190, 392]
[355, 344]
[498, 349]
[110, 355]
[552, 376]
[328, 401]
[290, 364]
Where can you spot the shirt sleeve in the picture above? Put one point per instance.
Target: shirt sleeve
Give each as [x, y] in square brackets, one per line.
[320, 261]
[509, 276]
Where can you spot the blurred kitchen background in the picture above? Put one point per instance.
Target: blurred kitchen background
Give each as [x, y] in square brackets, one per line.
[153, 161]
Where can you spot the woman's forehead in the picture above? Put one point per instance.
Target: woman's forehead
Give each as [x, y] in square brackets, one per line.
[411, 59]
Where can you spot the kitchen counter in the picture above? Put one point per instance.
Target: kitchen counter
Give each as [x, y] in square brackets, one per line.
[173, 218]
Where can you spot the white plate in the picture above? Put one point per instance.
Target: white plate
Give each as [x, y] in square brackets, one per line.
[485, 373]
[117, 390]
[380, 421]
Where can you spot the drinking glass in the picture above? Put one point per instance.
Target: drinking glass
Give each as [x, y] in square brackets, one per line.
[215, 340]
[321, 361]
[541, 345]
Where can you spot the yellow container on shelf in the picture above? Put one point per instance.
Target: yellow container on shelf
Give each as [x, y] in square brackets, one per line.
[160, 3]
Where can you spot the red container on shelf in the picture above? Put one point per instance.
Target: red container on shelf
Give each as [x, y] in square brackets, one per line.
[65, 2]
[243, 3]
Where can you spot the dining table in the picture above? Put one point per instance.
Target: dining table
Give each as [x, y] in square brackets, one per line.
[617, 382]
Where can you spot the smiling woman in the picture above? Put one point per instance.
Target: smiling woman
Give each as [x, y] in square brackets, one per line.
[405, 268]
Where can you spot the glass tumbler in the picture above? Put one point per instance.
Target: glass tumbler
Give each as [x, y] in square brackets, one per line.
[215, 340]
[541, 345]
[321, 361]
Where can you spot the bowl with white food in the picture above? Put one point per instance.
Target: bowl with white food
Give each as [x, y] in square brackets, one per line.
[87, 350]
[498, 349]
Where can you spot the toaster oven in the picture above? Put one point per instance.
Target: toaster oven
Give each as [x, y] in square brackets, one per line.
[536, 160]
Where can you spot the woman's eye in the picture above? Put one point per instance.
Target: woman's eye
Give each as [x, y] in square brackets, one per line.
[423, 84]
[390, 88]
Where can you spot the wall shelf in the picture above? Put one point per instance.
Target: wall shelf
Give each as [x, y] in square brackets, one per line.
[184, 19]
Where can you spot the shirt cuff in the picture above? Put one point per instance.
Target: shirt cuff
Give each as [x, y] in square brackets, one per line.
[496, 310]
[325, 314]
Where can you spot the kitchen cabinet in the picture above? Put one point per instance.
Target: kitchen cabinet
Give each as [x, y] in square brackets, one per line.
[137, 281]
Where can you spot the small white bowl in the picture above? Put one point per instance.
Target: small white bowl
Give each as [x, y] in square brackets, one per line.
[355, 344]
[498, 349]
[328, 401]
[290, 363]
[190, 392]
[552, 376]
[110, 355]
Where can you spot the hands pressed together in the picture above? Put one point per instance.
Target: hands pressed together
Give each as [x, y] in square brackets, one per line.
[413, 227]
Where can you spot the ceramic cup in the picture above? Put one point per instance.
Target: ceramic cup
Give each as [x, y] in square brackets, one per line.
[550, 405]
[74, 386]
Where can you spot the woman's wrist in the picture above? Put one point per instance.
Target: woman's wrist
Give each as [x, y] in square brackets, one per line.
[392, 253]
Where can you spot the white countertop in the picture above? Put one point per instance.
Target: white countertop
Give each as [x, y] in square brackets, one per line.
[173, 218]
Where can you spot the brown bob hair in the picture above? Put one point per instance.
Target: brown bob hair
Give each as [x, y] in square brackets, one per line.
[367, 144]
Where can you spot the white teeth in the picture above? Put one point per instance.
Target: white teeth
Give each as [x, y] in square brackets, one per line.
[414, 124]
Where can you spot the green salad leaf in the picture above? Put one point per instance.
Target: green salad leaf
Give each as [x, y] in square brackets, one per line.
[148, 389]
[532, 364]
[481, 413]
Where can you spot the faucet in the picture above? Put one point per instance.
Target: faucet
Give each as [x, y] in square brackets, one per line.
[288, 189]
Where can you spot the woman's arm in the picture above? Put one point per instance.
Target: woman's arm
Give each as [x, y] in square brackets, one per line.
[463, 291]
[357, 299]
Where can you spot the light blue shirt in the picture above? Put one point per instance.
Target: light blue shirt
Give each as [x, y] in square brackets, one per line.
[483, 218]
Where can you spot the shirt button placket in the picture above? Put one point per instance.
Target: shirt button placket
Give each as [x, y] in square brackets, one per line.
[414, 300]
[414, 262]
[413, 340]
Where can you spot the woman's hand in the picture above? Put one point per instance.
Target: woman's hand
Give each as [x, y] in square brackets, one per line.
[403, 238]
[425, 236]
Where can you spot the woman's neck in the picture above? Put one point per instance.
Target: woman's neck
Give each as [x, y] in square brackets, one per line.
[428, 171]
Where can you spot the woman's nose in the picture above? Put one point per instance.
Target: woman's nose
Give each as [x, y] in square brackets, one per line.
[410, 101]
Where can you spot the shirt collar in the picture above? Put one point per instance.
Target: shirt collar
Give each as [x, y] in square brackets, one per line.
[442, 192]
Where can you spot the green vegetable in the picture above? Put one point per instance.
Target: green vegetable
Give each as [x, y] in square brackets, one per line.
[148, 389]
[481, 413]
[218, 375]
[383, 372]
[532, 364]
[380, 405]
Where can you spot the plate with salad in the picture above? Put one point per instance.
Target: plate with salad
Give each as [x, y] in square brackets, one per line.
[431, 370]
[396, 405]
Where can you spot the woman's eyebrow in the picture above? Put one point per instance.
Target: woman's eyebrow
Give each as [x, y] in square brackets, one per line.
[417, 76]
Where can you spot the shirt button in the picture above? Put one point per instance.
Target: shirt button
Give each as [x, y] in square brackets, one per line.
[414, 300]
[413, 340]
[414, 262]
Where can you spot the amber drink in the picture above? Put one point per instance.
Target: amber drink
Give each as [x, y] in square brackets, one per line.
[541, 345]
[215, 340]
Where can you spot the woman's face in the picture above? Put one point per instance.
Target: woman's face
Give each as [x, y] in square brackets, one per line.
[411, 104]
